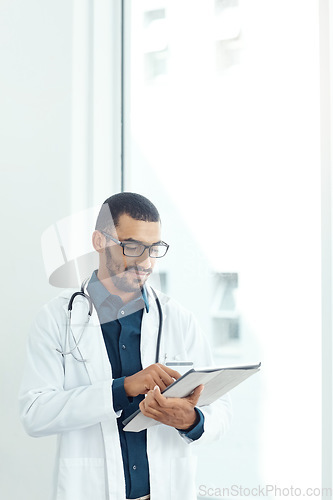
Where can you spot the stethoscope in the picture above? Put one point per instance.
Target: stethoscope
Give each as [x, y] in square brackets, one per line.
[82, 293]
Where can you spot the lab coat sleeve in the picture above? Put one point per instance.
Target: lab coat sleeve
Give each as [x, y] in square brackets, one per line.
[217, 415]
[46, 407]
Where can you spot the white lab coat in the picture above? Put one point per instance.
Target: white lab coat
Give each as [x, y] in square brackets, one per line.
[72, 399]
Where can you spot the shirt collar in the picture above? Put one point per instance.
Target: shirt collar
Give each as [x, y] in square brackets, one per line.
[99, 293]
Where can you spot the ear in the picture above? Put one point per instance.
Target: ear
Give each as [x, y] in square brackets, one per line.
[98, 241]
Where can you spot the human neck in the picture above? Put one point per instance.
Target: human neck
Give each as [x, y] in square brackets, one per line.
[110, 286]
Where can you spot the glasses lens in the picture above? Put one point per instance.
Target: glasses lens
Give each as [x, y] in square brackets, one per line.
[136, 250]
[133, 250]
[157, 251]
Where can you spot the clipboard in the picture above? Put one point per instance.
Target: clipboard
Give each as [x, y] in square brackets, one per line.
[216, 381]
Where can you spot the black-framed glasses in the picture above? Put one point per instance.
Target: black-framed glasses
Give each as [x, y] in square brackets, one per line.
[136, 248]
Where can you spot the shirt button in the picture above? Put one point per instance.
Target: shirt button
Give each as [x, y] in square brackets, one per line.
[122, 312]
[134, 467]
[123, 346]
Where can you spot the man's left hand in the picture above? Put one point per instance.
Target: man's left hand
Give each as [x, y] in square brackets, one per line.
[176, 412]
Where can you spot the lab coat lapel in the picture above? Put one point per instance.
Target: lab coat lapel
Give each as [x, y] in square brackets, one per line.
[149, 332]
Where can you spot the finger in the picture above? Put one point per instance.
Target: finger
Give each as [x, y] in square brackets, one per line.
[142, 406]
[173, 373]
[153, 380]
[194, 397]
[157, 396]
[164, 376]
[149, 408]
[155, 399]
[165, 404]
[145, 404]
[150, 398]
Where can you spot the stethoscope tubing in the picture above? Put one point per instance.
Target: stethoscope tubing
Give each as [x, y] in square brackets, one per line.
[82, 293]
[160, 326]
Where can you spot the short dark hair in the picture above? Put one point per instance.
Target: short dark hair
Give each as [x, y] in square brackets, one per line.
[135, 205]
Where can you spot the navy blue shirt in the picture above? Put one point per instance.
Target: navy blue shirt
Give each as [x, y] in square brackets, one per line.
[121, 328]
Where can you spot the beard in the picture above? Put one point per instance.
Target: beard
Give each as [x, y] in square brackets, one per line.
[124, 278]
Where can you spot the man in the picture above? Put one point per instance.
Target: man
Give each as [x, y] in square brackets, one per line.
[83, 380]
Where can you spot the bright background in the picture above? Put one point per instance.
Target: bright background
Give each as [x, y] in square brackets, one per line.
[221, 131]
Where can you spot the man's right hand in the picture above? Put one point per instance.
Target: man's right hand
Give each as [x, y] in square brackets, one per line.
[145, 380]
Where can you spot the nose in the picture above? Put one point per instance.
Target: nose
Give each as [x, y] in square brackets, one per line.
[145, 260]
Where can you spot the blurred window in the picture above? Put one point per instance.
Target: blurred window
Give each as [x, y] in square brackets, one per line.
[222, 134]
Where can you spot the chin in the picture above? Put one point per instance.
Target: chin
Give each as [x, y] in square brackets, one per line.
[133, 285]
[138, 283]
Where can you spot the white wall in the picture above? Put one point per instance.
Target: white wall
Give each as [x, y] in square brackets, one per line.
[35, 104]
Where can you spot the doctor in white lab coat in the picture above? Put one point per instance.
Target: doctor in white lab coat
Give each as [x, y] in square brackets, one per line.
[71, 398]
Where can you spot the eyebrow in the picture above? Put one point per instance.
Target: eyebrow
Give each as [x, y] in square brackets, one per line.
[137, 241]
